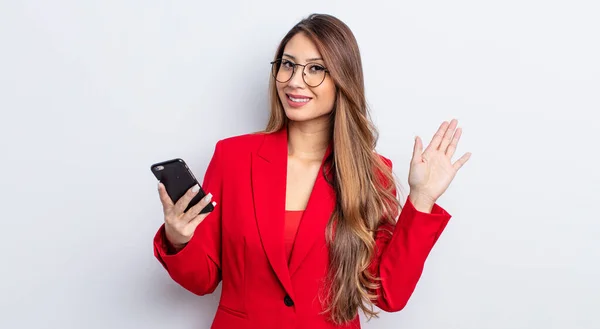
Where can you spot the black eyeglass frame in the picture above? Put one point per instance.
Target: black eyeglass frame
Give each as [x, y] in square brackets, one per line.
[294, 71]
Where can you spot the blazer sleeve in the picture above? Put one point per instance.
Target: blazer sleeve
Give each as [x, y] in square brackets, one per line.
[197, 267]
[400, 257]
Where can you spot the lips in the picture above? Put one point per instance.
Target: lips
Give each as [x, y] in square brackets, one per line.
[298, 96]
[297, 101]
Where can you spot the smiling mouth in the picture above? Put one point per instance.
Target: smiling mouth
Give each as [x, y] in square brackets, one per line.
[298, 99]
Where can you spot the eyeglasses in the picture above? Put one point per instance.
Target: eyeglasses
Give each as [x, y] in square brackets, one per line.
[313, 74]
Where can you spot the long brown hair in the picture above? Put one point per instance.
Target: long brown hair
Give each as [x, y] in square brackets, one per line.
[363, 183]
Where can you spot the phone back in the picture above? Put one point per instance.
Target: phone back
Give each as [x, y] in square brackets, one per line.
[178, 179]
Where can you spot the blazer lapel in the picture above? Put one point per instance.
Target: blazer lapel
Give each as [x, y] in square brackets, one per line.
[269, 167]
[321, 204]
[269, 176]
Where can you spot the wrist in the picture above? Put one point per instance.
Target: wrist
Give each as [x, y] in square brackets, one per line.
[421, 202]
[175, 248]
[172, 246]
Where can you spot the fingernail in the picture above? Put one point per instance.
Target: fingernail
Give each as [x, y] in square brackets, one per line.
[214, 203]
[158, 184]
[209, 195]
[196, 188]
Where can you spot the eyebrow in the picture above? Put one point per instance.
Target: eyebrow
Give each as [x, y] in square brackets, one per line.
[308, 60]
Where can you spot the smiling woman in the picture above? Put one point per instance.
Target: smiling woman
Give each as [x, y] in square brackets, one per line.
[307, 229]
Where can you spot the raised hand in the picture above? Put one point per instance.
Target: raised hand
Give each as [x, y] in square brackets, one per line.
[431, 171]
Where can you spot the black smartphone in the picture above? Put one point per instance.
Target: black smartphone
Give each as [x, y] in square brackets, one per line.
[178, 179]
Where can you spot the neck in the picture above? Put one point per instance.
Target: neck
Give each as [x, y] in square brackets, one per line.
[308, 140]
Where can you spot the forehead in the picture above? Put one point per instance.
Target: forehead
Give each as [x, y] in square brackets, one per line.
[302, 48]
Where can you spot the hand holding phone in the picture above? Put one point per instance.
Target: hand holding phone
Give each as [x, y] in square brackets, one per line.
[180, 225]
[185, 204]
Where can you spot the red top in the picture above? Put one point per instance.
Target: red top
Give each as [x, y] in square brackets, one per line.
[292, 220]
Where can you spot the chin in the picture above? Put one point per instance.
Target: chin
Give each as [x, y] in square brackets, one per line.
[298, 116]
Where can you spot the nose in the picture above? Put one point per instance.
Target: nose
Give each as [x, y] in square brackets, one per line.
[297, 81]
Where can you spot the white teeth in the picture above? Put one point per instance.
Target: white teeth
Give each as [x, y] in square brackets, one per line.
[300, 100]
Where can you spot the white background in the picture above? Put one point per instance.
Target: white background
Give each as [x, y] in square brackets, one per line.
[93, 93]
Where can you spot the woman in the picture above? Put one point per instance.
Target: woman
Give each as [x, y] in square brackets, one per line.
[304, 230]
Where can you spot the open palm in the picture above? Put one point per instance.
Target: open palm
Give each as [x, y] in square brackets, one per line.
[431, 171]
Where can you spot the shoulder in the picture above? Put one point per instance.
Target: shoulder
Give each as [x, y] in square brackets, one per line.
[385, 173]
[239, 144]
[245, 140]
[383, 159]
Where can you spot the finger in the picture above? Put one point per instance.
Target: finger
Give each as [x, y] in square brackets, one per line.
[448, 135]
[452, 147]
[196, 209]
[198, 219]
[184, 201]
[437, 137]
[417, 149]
[460, 162]
[164, 198]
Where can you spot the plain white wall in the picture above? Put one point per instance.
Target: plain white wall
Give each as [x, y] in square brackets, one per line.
[92, 93]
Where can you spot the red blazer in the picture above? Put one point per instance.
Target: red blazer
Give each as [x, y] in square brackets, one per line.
[241, 243]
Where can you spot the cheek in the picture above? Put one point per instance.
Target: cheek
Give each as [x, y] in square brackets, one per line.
[279, 89]
[327, 96]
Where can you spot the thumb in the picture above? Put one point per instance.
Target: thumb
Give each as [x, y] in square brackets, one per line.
[417, 149]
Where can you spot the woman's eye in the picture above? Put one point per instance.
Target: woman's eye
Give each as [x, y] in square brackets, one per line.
[317, 68]
[287, 64]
